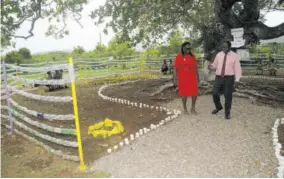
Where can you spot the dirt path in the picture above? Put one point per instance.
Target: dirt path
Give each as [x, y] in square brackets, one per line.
[202, 146]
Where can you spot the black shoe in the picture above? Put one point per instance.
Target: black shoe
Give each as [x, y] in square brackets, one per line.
[227, 116]
[215, 111]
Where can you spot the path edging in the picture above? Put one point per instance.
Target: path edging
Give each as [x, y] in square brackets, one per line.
[278, 146]
[171, 114]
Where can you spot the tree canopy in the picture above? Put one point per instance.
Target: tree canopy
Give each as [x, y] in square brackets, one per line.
[134, 21]
[25, 52]
[23, 55]
[78, 50]
[148, 21]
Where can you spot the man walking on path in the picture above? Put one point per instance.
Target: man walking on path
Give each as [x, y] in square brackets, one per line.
[228, 71]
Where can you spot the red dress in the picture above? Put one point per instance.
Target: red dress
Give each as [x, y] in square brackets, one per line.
[186, 75]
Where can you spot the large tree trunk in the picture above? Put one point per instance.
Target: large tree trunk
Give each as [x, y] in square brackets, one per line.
[226, 19]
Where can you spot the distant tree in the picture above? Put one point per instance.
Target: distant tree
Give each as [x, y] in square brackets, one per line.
[265, 49]
[78, 50]
[119, 48]
[100, 50]
[252, 49]
[175, 40]
[153, 52]
[25, 52]
[13, 57]
[51, 56]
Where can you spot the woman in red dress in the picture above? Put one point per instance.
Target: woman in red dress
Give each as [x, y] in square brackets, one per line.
[187, 76]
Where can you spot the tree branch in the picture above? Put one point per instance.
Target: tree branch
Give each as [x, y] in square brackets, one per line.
[264, 32]
[78, 19]
[38, 15]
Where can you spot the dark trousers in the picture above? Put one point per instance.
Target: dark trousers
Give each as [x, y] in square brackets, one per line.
[223, 85]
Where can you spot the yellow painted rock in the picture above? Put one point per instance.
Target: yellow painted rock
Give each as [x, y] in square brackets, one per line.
[106, 128]
[98, 125]
[90, 130]
[108, 122]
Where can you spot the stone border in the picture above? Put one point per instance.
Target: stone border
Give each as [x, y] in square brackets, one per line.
[278, 147]
[40, 81]
[58, 130]
[171, 114]
[40, 97]
[57, 141]
[50, 117]
[58, 153]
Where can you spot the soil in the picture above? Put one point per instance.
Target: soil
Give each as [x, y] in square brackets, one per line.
[140, 91]
[92, 109]
[22, 158]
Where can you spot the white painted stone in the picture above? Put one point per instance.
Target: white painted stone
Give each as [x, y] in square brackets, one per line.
[141, 131]
[280, 173]
[109, 151]
[275, 135]
[115, 147]
[131, 137]
[282, 121]
[121, 144]
[145, 130]
[137, 135]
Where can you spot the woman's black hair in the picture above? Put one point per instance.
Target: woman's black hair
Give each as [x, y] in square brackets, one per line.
[183, 45]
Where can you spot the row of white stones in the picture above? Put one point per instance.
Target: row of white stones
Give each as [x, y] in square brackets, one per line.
[278, 147]
[171, 115]
[264, 77]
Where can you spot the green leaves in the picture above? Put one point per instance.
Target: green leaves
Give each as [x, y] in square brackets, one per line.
[148, 21]
[78, 51]
[25, 52]
[18, 57]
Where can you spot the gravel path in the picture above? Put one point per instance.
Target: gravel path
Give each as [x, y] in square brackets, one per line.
[202, 146]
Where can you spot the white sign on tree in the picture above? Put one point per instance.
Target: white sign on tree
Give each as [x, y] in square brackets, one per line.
[238, 37]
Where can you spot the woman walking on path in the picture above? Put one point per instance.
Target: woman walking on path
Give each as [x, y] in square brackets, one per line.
[187, 76]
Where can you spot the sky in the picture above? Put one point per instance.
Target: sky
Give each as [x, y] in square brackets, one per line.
[88, 36]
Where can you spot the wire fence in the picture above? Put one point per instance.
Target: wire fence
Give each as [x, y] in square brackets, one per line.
[96, 67]
[33, 125]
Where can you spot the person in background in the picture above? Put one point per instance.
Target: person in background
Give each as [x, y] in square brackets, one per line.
[272, 66]
[228, 74]
[259, 68]
[186, 70]
[171, 67]
[164, 68]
